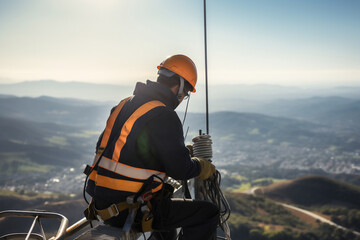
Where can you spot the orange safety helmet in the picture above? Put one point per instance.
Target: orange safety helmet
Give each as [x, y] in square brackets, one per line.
[183, 66]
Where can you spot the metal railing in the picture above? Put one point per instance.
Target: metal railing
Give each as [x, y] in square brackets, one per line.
[37, 215]
[63, 232]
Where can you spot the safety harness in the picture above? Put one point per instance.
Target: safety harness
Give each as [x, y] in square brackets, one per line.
[134, 203]
[141, 199]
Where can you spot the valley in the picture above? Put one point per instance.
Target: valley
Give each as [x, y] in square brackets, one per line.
[45, 143]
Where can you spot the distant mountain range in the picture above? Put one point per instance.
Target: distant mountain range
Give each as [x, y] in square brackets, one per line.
[78, 90]
[59, 131]
[51, 117]
[254, 127]
[239, 98]
[332, 110]
[71, 112]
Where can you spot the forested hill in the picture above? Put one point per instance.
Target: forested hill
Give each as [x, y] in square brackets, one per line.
[333, 200]
[315, 191]
[266, 99]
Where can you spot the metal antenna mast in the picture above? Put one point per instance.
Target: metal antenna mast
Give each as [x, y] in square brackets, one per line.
[206, 73]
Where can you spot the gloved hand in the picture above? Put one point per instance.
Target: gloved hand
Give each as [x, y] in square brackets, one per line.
[191, 150]
[207, 168]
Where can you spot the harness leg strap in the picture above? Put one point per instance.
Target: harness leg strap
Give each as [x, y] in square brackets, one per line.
[129, 220]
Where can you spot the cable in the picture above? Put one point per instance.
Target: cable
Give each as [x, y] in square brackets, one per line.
[186, 109]
[206, 72]
[84, 189]
[202, 148]
[210, 189]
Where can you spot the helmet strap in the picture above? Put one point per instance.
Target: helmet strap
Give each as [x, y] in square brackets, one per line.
[181, 88]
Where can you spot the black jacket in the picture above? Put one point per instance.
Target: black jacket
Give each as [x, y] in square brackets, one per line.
[155, 142]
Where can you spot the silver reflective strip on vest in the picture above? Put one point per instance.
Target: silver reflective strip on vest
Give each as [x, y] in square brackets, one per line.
[96, 159]
[128, 171]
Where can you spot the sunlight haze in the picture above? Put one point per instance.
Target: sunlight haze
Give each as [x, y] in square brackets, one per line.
[295, 43]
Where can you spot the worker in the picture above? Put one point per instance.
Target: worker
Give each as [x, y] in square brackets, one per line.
[143, 140]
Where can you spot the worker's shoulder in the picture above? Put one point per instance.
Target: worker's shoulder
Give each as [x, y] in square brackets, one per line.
[156, 109]
[165, 114]
[168, 111]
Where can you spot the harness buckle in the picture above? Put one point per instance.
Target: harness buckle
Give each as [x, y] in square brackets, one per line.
[111, 210]
[87, 170]
[99, 218]
[130, 199]
[145, 209]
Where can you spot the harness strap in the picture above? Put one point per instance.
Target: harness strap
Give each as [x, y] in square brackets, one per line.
[147, 219]
[186, 189]
[115, 209]
[104, 140]
[92, 213]
[110, 124]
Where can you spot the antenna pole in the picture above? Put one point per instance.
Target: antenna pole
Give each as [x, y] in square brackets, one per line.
[206, 73]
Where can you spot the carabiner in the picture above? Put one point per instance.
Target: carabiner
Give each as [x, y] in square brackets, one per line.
[147, 196]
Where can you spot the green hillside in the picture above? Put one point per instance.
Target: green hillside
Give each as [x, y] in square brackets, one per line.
[259, 218]
[315, 191]
[250, 215]
[338, 200]
[27, 146]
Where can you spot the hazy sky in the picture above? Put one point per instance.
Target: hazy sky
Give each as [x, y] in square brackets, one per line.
[286, 42]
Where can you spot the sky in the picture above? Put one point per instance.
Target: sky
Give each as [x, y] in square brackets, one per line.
[281, 42]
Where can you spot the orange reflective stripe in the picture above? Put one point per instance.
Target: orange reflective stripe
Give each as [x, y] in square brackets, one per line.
[93, 175]
[118, 184]
[128, 171]
[119, 168]
[126, 129]
[157, 188]
[110, 123]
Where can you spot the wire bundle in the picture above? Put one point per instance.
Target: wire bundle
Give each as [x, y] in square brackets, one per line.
[210, 189]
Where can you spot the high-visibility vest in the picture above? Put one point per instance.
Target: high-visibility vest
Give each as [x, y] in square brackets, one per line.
[112, 174]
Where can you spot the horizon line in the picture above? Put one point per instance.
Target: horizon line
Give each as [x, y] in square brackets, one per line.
[14, 82]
